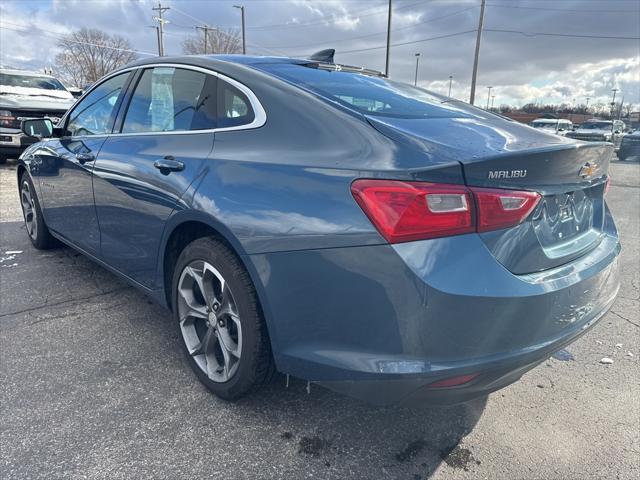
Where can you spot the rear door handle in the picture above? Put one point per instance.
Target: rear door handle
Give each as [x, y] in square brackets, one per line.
[168, 164]
[85, 157]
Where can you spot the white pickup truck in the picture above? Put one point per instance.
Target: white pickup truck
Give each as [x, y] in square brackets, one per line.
[27, 95]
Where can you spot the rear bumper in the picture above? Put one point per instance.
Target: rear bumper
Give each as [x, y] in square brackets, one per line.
[382, 322]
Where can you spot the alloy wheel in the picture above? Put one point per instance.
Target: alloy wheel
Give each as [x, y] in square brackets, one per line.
[209, 320]
[29, 210]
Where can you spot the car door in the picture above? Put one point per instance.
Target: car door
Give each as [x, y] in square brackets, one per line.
[165, 134]
[65, 166]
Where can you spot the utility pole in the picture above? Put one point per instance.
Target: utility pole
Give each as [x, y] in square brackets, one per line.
[205, 29]
[474, 75]
[161, 21]
[613, 101]
[244, 45]
[157, 29]
[450, 80]
[415, 80]
[488, 96]
[386, 63]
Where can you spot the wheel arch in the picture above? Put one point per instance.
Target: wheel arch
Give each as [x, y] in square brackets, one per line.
[188, 225]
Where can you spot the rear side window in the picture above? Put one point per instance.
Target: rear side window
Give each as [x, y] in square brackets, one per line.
[170, 99]
[366, 94]
[234, 108]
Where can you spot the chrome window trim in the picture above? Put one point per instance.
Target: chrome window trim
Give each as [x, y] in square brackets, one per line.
[260, 116]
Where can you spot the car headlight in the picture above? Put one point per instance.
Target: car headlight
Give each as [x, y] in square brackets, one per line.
[7, 119]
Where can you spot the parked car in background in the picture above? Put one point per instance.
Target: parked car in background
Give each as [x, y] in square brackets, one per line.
[27, 95]
[600, 131]
[375, 238]
[630, 147]
[559, 126]
[75, 91]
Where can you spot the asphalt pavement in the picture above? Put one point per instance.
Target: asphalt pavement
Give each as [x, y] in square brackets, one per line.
[93, 384]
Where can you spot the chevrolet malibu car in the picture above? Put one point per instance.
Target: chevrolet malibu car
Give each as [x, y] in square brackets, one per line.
[26, 95]
[326, 222]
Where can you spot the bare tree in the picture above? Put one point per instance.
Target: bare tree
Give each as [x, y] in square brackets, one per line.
[218, 41]
[89, 54]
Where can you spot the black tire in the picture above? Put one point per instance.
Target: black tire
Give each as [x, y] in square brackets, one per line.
[40, 236]
[255, 367]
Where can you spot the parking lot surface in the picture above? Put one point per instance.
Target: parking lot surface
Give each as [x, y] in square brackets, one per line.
[93, 384]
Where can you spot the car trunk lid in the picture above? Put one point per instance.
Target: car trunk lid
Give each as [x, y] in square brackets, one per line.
[494, 153]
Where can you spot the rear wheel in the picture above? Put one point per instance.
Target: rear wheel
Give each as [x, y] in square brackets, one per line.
[33, 219]
[223, 333]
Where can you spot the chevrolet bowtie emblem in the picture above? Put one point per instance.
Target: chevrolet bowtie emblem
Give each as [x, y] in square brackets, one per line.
[588, 170]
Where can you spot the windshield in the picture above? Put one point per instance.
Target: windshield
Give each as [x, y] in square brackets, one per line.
[368, 95]
[597, 126]
[29, 81]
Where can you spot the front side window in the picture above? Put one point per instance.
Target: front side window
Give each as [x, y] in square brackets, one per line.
[94, 114]
[169, 99]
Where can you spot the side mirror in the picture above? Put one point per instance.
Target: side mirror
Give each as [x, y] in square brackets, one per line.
[617, 132]
[37, 127]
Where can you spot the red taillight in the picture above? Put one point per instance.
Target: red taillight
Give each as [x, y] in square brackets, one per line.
[503, 208]
[453, 381]
[406, 211]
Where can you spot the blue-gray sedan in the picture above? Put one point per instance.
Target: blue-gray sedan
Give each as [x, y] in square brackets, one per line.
[329, 223]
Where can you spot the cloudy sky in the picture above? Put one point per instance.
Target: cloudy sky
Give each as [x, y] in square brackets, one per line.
[593, 48]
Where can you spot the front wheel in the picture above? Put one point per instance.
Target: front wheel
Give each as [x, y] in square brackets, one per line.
[216, 308]
[33, 219]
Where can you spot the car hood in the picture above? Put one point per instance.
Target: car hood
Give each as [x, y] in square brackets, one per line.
[34, 98]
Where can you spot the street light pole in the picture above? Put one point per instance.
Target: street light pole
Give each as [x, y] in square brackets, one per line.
[386, 63]
[493, 97]
[244, 45]
[474, 75]
[450, 80]
[488, 96]
[613, 101]
[415, 80]
[587, 106]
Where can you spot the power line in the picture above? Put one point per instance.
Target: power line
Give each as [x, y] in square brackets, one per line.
[406, 43]
[48, 33]
[551, 9]
[551, 34]
[384, 32]
[359, 14]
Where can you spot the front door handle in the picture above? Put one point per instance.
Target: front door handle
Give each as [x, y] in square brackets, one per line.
[168, 165]
[85, 157]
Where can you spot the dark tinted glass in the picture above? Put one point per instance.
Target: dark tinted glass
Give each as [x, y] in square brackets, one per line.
[369, 95]
[234, 108]
[170, 99]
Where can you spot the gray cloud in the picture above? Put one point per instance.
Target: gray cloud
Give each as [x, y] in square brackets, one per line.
[521, 68]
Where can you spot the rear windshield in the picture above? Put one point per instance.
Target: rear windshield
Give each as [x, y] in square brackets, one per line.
[30, 81]
[369, 95]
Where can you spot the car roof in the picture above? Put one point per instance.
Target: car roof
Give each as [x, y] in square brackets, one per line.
[216, 60]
